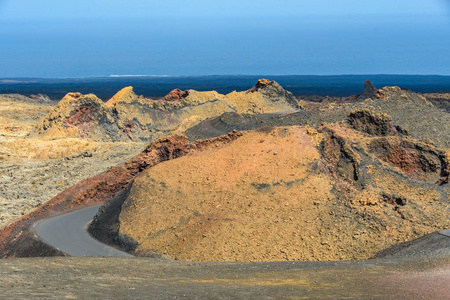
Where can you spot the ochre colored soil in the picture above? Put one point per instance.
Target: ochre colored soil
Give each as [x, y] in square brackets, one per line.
[217, 205]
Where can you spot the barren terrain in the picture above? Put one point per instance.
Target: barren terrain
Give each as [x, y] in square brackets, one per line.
[310, 184]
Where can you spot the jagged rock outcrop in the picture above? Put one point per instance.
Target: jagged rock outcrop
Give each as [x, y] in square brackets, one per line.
[411, 113]
[370, 122]
[370, 91]
[175, 94]
[125, 95]
[414, 114]
[419, 161]
[265, 97]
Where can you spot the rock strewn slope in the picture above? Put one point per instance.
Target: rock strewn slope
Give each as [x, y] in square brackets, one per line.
[84, 116]
[358, 165]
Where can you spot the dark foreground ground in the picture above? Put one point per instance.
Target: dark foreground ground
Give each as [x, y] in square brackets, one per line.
[143, 278]
[414, 270]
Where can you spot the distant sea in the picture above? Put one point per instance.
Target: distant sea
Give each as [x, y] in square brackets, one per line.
[157, 86]
[192, 46]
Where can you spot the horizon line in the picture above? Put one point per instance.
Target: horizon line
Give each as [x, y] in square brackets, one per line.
[12, 78]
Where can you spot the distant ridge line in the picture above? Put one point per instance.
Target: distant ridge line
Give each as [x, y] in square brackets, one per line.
[154, 86]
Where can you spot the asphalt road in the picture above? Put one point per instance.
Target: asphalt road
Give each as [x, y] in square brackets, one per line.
[68, 234]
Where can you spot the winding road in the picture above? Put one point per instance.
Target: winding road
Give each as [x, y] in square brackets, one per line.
[68, 234]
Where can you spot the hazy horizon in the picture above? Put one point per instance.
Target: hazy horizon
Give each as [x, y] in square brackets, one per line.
[49, 39]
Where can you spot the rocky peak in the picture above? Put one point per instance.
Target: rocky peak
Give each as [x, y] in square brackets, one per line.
[75, 100]
[273, 91]
[368, 86]
[263, 84]
[72, 96]
[124, 95]
[370, 91]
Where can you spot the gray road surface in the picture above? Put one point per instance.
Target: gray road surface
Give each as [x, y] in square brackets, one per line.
[68, 234]
[445, 232]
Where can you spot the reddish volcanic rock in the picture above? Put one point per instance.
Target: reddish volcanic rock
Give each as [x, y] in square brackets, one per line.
[417, 160]
[175, 94]
[80, 116]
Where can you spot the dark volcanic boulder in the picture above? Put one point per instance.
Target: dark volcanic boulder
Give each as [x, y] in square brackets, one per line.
[368, 121]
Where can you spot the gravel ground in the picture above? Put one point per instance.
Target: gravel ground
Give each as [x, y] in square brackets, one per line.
[139, 278]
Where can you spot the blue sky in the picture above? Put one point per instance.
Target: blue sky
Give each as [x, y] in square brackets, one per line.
[198, 37]
[94, 9]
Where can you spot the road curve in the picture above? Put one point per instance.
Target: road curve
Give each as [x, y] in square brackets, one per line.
[68, 234]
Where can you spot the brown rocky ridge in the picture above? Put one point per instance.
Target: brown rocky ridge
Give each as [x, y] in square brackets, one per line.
[127, 116]
[80, 137]
[411, 113]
